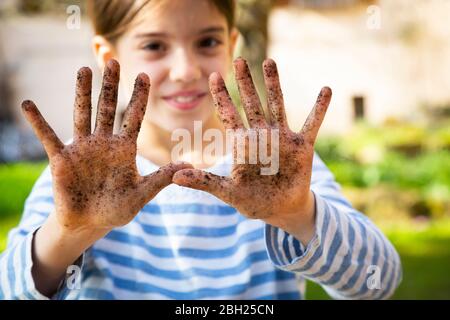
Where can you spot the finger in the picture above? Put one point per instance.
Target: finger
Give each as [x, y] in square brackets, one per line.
[136, 108]
[224, 105]
[249, 96]
[108, 99]
[201, 180]
[43, 131]
[156, 181]
[83, 106]
[274, 94]
[311, 127]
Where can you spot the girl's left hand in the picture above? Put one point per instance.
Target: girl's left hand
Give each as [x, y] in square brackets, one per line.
[282, 199]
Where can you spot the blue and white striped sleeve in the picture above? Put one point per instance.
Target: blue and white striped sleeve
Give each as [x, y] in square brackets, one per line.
[16, 281]
[348, 255]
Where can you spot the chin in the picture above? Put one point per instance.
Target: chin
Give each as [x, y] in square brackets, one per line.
[173, 123]
[187, 124]
[186, 120]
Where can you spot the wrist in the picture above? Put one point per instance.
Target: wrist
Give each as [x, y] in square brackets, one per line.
[302, 224]
[56, 247]
[80, 238]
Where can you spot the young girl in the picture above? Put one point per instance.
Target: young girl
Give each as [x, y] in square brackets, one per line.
[115, 216]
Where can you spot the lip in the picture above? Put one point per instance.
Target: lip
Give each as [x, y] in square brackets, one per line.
[192, 99]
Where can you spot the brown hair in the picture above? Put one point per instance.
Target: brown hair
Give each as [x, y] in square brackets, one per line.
[111, 18]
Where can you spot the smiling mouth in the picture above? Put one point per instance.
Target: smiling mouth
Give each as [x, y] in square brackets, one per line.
[185, 102]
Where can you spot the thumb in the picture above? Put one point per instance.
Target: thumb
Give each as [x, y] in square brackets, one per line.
[201, 180]
[163, 176]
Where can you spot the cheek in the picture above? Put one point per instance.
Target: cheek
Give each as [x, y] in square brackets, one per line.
[219, 64]
[129, 72]
[156, 75]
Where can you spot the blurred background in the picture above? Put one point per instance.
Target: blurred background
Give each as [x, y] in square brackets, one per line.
[386, 136]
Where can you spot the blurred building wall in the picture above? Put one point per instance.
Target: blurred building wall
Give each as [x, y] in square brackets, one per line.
[42, 56]
[397, 69]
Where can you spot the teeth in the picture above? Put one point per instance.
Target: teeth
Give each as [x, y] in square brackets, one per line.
[184, 99]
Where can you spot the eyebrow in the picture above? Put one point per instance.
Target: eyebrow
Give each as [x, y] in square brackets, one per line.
[162, 34]
[212, 29]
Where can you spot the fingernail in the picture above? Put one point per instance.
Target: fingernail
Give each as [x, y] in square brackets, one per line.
[26, 104]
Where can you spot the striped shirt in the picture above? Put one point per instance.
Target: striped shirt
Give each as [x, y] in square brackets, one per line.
[187, 244]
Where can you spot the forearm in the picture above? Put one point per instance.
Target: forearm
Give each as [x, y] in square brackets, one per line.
[54, 250]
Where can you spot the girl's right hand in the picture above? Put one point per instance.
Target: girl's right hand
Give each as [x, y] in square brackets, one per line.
[96, 184]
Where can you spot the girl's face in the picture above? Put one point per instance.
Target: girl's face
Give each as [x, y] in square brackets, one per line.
[178, 44]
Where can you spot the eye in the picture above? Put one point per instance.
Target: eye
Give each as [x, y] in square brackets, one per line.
[154, 46]
[209, 42]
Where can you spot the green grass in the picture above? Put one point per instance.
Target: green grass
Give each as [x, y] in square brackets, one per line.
[16, 181]
[7, 224]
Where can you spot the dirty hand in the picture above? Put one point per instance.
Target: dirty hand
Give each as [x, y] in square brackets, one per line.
[96, 184]
[282, 199]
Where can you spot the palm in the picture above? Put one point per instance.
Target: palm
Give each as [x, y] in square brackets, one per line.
[257, 195]
[99, 180]
[95, 179]
[267, 191]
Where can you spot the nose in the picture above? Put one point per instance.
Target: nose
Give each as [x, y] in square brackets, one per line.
[184, 67]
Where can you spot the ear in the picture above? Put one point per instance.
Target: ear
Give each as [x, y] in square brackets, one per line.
[233, 40]
[103, 50]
